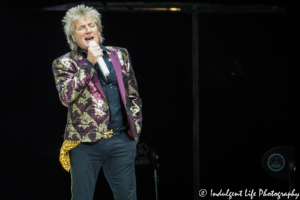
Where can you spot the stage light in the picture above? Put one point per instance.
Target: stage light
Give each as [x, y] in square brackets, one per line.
[175, 9]
[138, 8]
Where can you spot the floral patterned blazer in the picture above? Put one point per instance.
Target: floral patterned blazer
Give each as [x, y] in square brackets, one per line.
[79, 89]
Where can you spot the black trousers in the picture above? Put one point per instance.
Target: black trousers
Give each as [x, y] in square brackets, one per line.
[117, 157]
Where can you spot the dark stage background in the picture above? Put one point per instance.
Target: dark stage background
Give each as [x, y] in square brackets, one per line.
[246, 100]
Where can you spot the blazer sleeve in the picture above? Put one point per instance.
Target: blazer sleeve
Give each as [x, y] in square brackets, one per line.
[70, 79]
[134, 97]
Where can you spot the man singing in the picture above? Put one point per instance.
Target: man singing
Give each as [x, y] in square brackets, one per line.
[104, 118]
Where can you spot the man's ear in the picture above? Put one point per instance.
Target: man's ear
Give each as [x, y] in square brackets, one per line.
[73, 38]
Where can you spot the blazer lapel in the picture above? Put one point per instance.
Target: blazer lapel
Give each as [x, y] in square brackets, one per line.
[117, 67]
[97, 84]
[79, 59]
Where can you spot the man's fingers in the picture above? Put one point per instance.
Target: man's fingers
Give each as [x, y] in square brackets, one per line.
[95, 48]
[98, 54]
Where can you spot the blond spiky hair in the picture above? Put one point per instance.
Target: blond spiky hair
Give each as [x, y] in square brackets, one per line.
[74, 14]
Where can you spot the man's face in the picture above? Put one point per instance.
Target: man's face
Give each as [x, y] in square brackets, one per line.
[85, 31]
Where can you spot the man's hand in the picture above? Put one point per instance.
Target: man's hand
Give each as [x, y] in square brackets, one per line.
[94, 53]
[136, 140]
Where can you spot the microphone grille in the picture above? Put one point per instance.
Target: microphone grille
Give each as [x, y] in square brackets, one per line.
[92, 43]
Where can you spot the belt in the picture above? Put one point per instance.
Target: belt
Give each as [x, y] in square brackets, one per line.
[110, 132]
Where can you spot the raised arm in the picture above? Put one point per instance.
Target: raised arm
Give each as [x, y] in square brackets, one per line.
[70, 79]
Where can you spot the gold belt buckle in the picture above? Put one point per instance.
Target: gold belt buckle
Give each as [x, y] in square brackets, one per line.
[108, 134]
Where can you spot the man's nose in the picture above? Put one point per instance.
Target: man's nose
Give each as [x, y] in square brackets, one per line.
[88, 29]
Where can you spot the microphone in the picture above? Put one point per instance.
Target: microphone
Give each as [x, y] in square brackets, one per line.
[101, 62]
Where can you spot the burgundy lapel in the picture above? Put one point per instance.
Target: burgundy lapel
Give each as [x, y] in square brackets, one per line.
[97, 83]
[95, 78]
[117, 67]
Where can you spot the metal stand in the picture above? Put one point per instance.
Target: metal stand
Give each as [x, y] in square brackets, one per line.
[156, 177]
[291, 176]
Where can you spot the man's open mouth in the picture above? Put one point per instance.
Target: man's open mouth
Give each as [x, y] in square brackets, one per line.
[89, 39]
